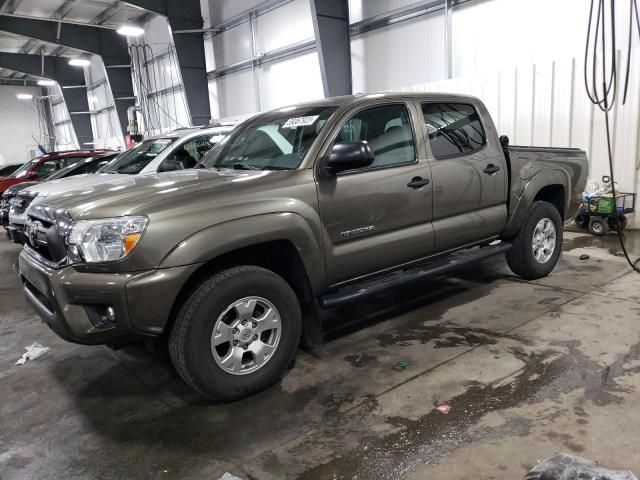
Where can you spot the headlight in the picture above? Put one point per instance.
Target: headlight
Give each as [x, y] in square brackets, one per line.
[107, 239]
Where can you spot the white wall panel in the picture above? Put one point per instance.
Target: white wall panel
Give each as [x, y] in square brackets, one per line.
[362, 9]
[295, 79]
[235, 94]
[543, 79]
[222, 10]
[18, 122]
[561, 118]
[232, 46]
[523, 134]
[273, 32]
[407, 53]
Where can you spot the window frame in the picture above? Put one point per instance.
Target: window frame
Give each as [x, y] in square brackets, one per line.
[453, 155]
[361, 108]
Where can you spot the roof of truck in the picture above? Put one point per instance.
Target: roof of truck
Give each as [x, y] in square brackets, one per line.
[363, 97]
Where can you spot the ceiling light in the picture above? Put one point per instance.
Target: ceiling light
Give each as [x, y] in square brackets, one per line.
[24, 96]
[130, 30]
[46, 83]
[79, 62]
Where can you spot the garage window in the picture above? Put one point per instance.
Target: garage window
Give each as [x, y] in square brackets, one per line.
[454, 129]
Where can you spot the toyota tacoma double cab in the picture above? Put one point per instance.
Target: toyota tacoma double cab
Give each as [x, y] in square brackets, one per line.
[298, 210]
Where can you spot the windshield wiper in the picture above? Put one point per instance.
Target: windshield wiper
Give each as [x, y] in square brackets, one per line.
[242, 166]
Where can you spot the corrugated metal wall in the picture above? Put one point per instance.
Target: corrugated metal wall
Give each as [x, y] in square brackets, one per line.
[265, 86]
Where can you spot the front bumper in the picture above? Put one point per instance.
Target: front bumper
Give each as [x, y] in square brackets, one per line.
[66, 297]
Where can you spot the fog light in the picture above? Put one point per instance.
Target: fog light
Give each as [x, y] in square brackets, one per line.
[101, 316]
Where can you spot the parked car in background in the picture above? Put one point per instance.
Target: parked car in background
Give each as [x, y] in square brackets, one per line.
[14, 202]
[43, 166]
[299, 209]
[6, 170]
[177, 150]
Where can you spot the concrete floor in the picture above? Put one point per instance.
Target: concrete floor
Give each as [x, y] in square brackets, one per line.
[528, 368]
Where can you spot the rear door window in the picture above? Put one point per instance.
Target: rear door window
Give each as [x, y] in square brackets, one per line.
[454, 129]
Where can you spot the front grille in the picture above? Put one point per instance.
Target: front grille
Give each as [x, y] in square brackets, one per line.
[21, 203]
[45, 232]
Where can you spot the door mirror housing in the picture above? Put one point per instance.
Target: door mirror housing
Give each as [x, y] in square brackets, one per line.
[348, 156]
[171, 165]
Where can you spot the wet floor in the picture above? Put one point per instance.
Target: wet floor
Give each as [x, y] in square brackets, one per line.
[528, 369]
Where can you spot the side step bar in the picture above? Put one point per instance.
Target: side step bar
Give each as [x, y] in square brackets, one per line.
[435, 267]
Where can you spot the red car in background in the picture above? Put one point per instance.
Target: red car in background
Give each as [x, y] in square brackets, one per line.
[41, 167]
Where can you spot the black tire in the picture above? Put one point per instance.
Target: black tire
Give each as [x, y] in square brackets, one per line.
[582, 220]
[190, 338]
[520, 258]
[598, 226]
[622, 221]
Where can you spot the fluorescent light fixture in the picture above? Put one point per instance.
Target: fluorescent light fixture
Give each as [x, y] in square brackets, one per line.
[79, 62]
[130, 30]
[24, 96]
[46, 83]
[88, 143]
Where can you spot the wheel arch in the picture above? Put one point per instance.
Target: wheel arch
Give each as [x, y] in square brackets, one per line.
[280, 256]
[553, 186]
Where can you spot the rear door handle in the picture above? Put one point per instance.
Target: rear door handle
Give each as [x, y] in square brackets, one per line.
[491, 169]
[418, 182]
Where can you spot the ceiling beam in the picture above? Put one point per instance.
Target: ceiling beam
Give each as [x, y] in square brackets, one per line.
[64, 9]
[10, 6]
[108, 13]
[29, 44]
[54, 21]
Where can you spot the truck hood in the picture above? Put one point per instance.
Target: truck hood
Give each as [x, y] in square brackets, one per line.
[123, 196]
[60, 186]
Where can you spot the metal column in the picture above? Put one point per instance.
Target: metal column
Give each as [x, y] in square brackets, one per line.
[186, 15]
[331, 25]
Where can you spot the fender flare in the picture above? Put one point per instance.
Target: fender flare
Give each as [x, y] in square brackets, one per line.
[216, 240]
[525, 198]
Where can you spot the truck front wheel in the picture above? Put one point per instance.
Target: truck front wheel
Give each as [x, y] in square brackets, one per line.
[537, 246]
[236, 333]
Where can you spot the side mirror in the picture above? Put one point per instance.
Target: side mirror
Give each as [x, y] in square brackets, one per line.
[504, 141]
[170, 165]
[348, 156]
[32, 175]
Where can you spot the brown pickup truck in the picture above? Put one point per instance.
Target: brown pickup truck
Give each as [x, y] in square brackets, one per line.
[298, 210]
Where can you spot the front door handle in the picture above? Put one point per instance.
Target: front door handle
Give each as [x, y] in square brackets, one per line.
[418, 182]
[491, 169]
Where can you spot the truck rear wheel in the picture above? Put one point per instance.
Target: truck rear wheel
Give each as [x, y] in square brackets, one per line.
[537, 246]
[236, 333]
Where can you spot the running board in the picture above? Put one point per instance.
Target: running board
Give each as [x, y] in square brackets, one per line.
[438, 266]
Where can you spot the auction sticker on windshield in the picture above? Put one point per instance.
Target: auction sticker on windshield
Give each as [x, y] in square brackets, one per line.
[300, 121]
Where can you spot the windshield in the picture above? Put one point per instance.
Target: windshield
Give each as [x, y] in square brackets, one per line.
[83, 166]
[276, 141]
[24, 167]
[135, 159]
